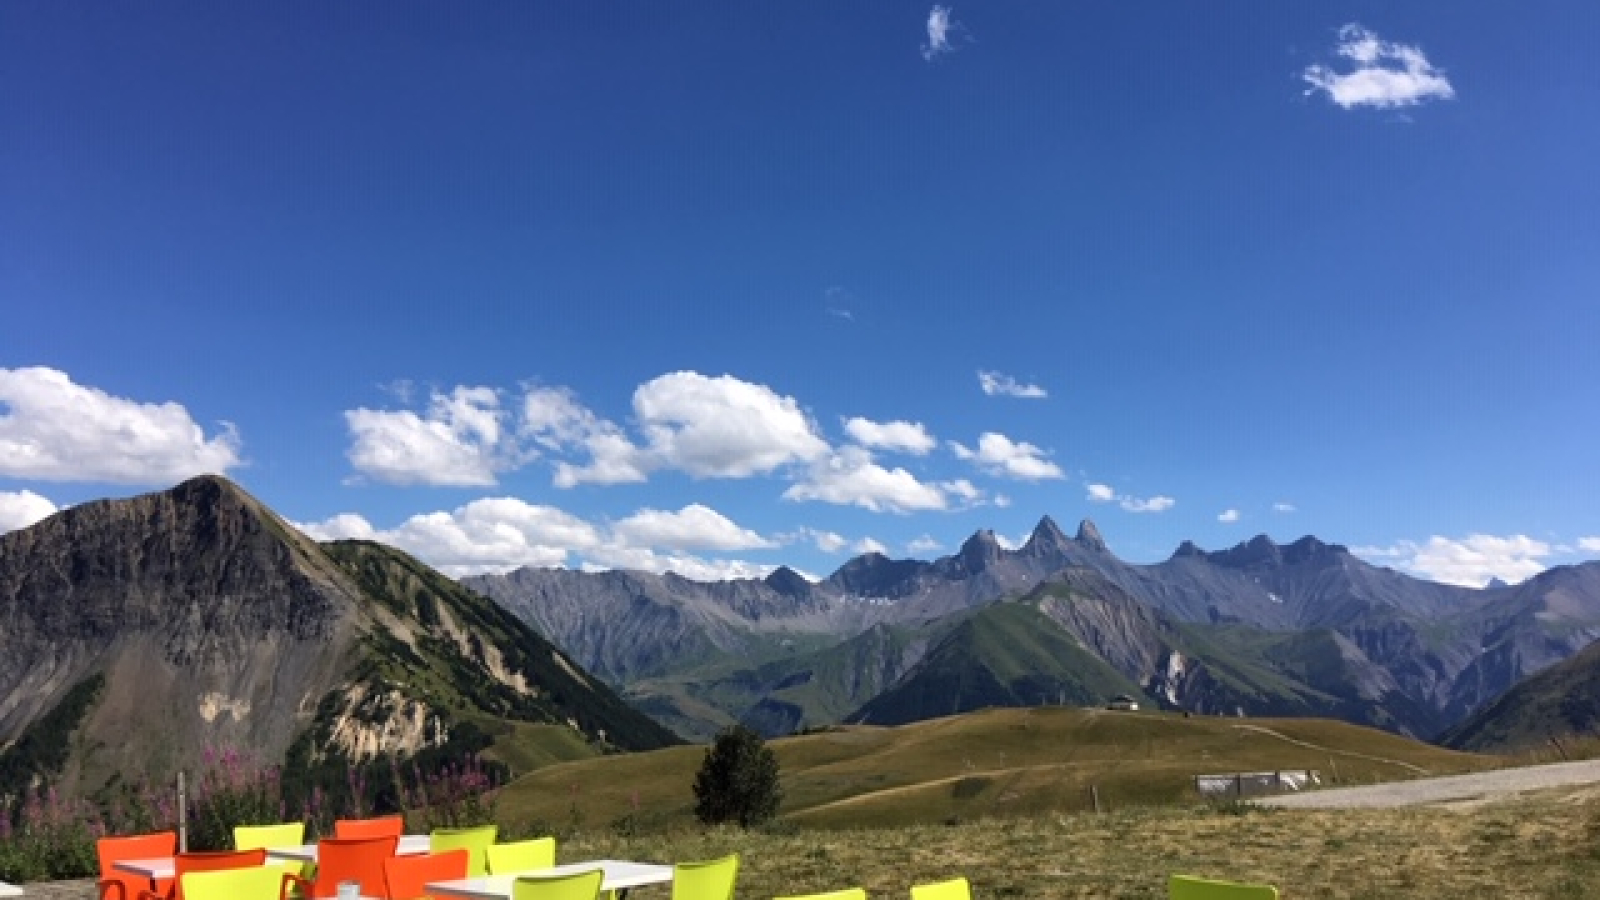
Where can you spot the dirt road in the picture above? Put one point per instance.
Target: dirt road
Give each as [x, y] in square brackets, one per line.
[1479, 786]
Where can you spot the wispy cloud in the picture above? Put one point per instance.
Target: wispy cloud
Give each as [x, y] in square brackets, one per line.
[940, 26]
[898, 435]
[850, 477]
[1281, 507]
[1471, 561]
[996, 384]
[1228, 515]
[1105, 493]
[1589, 544]
[923, 545]
[1381, 74]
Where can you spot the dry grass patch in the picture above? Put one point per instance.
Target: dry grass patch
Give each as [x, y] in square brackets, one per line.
[1531, 848]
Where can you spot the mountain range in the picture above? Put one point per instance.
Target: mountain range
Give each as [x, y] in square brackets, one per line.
[1259, 628]
[138, 632]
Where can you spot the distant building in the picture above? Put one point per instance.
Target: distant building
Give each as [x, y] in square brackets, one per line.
[1123, 703]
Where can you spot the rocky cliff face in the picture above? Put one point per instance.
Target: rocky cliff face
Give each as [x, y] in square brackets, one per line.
[207, 620]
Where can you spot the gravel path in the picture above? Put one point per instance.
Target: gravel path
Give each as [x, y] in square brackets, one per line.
[1445, 789]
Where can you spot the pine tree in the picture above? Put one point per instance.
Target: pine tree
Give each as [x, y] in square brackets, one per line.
[738, 781]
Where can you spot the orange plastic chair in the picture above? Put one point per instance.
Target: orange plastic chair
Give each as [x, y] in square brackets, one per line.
[341, 860]
[358, 829]
[184, 863]
[409, 876]
[115, 884]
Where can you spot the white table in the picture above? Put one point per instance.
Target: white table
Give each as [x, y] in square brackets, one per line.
[410, 845]
[619, 875]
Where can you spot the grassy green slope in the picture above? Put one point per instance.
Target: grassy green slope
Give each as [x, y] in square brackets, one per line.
[997, 762]
[1008, 654]
[1561, 701]
[458, 639]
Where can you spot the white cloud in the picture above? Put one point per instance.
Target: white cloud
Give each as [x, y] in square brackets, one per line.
[1383, 74]
[1003, 501]
[902, 436]
[460, 441]
[1471, 561]
[826, 541]
[55, 430]
[963, 489]
[723, 427]
[1104, 493]
[1003, 458]
[1228, 515]
[849, 477]
[868, 545]
[1281, 507]
[22, 508]
[1156, 504]
[501, 533]
[923, 545]
[996, 384]
[939, 26]
[695, 527]
[1589, 544]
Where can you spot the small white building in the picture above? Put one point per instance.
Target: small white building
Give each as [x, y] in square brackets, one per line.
[1123, 703]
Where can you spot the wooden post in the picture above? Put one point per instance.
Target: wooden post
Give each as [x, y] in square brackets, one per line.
[1238, 785]
[1094, 795]
[183, 815]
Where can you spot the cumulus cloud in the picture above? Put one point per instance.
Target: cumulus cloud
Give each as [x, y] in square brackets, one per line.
[923, 545]
[460, 440]
[22, 508]
[695, 527]
[1380, 74]
[1101, 493]
[996, 384]
[898, 435]
[826, 541]
[850, 477]
[495, 534]
[1002, 500]
[939, 26]
[1004, 458]
[1471, 561]
[1281, 507]
[52, 429]
[1589, 544]
[1228, 515]
[723, 427]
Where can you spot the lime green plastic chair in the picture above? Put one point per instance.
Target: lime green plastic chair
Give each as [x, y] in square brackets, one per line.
[577, 886]
[521, 856]
[267, 837]
[842, 894]
[254, 883]
[711, 879]
[954, 889]
[1187, 887]
[476, 839]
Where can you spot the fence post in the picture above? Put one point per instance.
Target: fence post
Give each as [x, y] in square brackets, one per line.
[1094, 794]
[183, 815]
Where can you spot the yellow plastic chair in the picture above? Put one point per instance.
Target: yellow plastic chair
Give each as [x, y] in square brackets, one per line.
[1187, 887]
[476, 839]
[255, 883]
[954, 889]
[521, 856]
[708, 880]
[577, 886]
[267, 837]
[842, 894]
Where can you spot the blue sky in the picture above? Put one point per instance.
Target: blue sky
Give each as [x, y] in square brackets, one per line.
[715, 287]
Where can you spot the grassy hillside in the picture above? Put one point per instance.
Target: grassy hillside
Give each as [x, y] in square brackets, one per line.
[997, 762]
[1561, 703]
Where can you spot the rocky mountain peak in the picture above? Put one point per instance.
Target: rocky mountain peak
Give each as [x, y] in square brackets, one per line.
[1187, 549]
[980, 551]
[1046, 538]
[1089, 536]
[788, 582]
